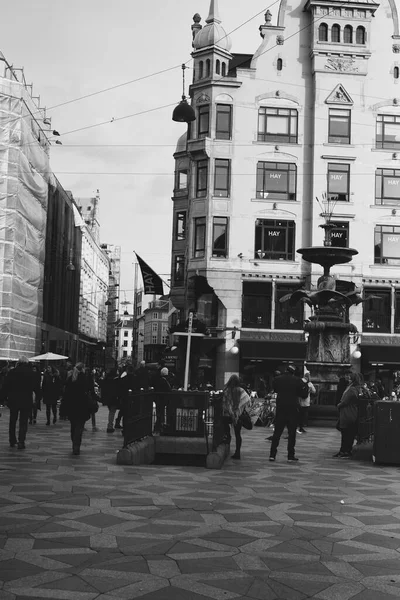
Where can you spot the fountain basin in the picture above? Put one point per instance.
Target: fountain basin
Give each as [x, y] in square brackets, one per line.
[327, 256]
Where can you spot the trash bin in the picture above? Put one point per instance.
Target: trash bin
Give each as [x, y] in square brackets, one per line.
[386, 447]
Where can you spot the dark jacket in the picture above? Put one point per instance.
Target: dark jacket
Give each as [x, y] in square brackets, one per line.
[348, 407]
[289, 389]
[51, 388]
[161, 384]
[19, 386]
[142, 378]
[76, 397]
[110, 390]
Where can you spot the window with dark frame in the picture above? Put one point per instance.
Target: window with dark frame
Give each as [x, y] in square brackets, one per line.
[181, 179]
[335, 33]
[338, 182]
[179, 269]
[199, 248]
[203, 125]
[223, 126]
[220, 237]
[396, 72]
[277, 125]
[201, 178]
[287, 316]
[340, 234]
[387, 187]
[376, 310]
[274, 240]
[323, 32]
[256, 304]
[387, 245]
[388, 131]
[360, 35]
[222, 177]
[339, 126]
[276, 181]
[180, 225]
[348, 34]
[279, 64]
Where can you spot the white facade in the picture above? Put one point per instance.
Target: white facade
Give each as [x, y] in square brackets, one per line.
[124, 338]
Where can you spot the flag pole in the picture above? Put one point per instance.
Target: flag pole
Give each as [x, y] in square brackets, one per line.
[187, 362]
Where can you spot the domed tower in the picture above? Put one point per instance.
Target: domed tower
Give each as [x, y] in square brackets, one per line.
[211, 54]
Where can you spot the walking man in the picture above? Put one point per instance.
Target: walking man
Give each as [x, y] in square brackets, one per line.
[289, 388]
[19, 386]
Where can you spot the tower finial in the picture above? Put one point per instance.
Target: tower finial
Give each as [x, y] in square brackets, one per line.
[213, 16]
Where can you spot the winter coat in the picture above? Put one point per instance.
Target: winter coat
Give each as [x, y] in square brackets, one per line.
[51, 388]
[162, 384]
[289, 390]
[19, 386]
[110, 391]
[76, 397]
[348, 407]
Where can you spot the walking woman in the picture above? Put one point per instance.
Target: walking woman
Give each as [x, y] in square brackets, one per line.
[78, 389]
[234, 401]
[348, 414]
[51, 392]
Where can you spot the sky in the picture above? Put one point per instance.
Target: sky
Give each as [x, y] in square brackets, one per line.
[75, 48]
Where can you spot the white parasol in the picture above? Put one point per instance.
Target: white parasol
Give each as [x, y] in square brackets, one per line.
[49, 356]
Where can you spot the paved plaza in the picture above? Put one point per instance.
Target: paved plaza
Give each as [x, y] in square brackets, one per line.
[84, 528]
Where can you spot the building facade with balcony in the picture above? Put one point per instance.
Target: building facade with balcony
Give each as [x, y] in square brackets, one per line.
[312, 112]
[124, 339]
[155, 329]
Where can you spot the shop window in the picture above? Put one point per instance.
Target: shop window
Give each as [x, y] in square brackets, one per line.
[387, 186]
[286, 316]
[277, 125]
[323, 32]
[360, 35]
[203, 125]
[387, 245]
[388, 132]
[220, 237]
[179, 269]
[199, 249]
[222, 177]
[397, 312]
[274, 240]
[223, 127]
[340, 234]
[348, 34]
[376, 310]
[201, 178]
[339, 126]
[180, 226]
[256, 304]
[276, 181]
[338, 182]
[335, 33]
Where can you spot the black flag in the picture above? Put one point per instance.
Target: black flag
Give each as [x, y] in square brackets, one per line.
[152, 282]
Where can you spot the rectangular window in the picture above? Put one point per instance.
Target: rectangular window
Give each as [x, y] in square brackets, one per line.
[125, 343]
[277, 125]
[339, 126]
[125, 334]
[338, 182]
[181, 179]
[124, 354]
[199, 237]
[276, 181]
[223, 127]
[180, 226]
[376, 310]
[201, 179]
[387, 245]
[203, 125]
[340, 234]
[154, 339]
[256, 304]
[388, 131]
[164, 339]
[220, 237]
[387, 187]
[222, 177]
[154, 327]
[155, 315]
[274, 240]
[287, 316]
[179, 269]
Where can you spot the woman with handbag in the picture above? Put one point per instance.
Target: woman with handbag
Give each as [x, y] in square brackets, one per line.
[78, 396]
[234, 401]
[348, 414]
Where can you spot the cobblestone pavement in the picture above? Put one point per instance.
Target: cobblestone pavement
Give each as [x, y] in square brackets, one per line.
[83, 528]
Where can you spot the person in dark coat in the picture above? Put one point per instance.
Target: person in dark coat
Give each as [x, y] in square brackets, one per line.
[51, 392]
[109, 387]
[76, 400]
[38, 395]
[142, 376]
[348, 414]
[289, 388]
[19, 387]
[161, 386]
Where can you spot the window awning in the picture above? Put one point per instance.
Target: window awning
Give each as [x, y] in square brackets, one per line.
[260, 349]
[380, 353]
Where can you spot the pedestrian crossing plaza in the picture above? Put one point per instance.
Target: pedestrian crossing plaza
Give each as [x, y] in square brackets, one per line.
[84, 528]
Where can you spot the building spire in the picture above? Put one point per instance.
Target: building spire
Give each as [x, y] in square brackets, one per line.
[213, 16]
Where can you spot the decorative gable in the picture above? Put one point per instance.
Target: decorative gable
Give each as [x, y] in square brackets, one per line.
[339, 96]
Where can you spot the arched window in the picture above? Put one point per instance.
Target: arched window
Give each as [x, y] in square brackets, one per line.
[396, 72]
[279, 64]
[360, 35]
[323, 32]
[335, 33]
[223, 69]
[201, 66]
[208, 67]
[348, 34]
[218, 67]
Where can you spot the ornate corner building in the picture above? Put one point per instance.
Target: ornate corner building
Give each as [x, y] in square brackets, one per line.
[313, 112]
